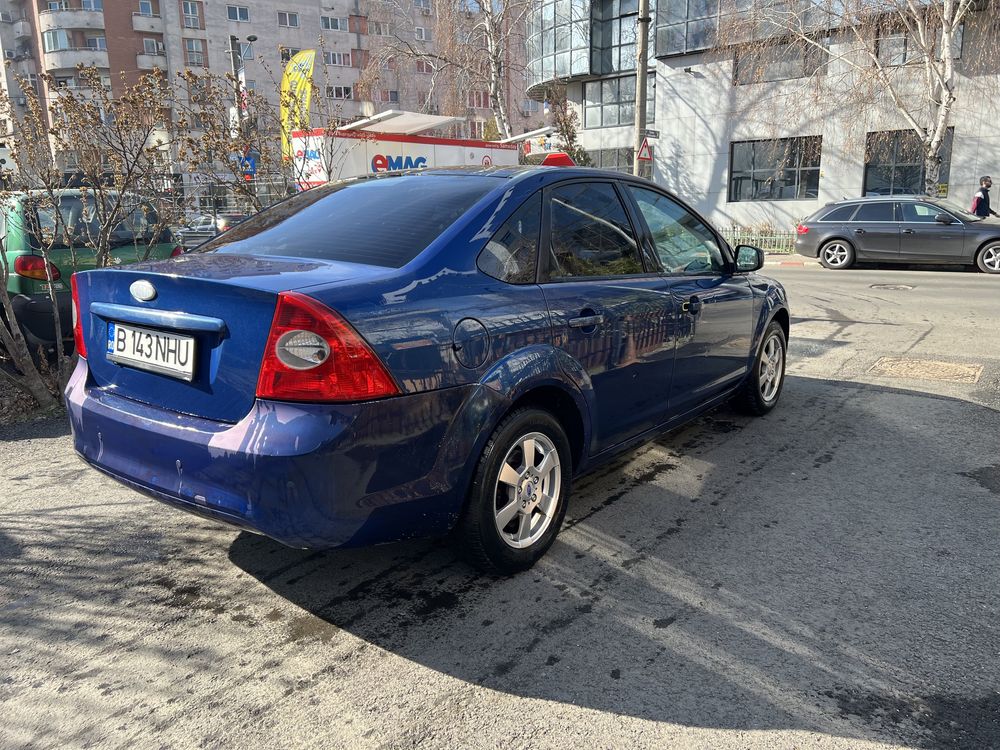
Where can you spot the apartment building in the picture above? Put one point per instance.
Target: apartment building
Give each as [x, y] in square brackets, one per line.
[755, 140]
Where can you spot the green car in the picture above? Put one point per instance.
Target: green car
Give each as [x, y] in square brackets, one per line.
[27, 217]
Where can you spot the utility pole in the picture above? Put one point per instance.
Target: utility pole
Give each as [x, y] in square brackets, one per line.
[641, 65]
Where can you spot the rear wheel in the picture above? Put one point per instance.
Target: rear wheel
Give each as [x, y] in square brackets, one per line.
[763, 387]
[518, 497]
[837, 254]
[988, 258]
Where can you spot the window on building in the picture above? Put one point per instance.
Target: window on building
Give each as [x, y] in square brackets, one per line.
[57, 5]
[149, 46]
[619, 160]
[614, 36]
[333, 23]
[92, 4]
[425, 66]
[379, 28]
[239, 13]
[895, 47]
[530, 106]
[389, 95]
[422, 4]
[194, 52]
[251, 85]
[512, 254]
[612, 102]
[97, 42]
[146, 8]
[559, 39]
[590, 233]
[686, 26]
[342, 59]
[777, 169]
[894, 163]
[288, 20]
[476, 129]
[192, 15]
[778, 62]
[422, 34]
[65, 82]
[479, 99]
[684, 244]
[339, 92]
[53, 41]
[287, 53]
[246, 51]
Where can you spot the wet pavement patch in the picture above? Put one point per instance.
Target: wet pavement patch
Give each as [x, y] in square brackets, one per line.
[926, 369]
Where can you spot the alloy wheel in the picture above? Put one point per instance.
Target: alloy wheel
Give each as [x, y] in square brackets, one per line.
[771, 368]
[836, 254]
[527, 490]
[991, 258]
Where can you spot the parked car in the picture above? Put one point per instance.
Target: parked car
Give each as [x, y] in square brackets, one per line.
[400, 356]
[201, 228]
[900, 229]
[25, 215]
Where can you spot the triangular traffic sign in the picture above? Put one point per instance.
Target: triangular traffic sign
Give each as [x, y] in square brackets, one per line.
[645, 152]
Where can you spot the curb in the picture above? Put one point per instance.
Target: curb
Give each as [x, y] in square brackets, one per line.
[782, 259]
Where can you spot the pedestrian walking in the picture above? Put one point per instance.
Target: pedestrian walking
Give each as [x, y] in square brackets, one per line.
[981, 200]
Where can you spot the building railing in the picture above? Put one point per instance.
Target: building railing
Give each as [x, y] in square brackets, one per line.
[766, 238]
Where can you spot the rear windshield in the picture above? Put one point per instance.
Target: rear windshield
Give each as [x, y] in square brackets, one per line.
[380, 222]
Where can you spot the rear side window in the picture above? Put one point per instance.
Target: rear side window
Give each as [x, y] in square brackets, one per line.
[590, 233]
[843, 213]
[875, 212]
[381, 222]
[512, 252]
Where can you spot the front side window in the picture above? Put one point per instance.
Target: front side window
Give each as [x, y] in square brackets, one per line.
[684, 244]
[512, 253]
[881, 211]
[778, 169]
[920, 212]
[590, 234]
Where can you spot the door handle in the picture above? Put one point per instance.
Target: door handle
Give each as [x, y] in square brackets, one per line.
[692, 305]
[859, 231]
[586, 321]
[907, 231]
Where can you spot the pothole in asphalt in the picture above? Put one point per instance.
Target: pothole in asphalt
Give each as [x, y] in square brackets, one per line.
[892, 287]
[926, 369]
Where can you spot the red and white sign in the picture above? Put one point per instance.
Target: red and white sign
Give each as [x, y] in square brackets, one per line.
[645, 152]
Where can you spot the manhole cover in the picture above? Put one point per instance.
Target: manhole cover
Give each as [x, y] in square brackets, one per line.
[892, 287]
[926, 369]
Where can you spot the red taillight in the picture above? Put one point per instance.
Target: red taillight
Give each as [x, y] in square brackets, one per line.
[558, 159]
[177, 251]
[312, 354]
[802, 229]
[81, 346]
[33, 267]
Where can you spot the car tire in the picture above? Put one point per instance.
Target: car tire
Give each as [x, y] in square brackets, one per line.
[837, 255]
[763, 387]
[496, 534]
[988, 258]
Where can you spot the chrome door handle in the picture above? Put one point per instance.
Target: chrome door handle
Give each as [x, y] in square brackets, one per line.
[907, 231]
[859, 231]
[586, 321]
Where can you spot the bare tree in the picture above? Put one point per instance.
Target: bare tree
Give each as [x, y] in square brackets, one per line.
[886, 59]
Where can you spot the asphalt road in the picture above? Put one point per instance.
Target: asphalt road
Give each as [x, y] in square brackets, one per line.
[826, 576]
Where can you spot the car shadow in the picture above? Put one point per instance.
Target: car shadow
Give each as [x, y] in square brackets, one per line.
[737, 573]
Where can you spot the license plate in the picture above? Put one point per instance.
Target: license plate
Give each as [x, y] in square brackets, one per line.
[156, 351]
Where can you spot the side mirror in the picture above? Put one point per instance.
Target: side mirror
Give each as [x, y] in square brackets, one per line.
[944, 219]
[749, 258]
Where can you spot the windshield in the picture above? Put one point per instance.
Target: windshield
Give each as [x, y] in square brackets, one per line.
[957, 210]
[136, 221]
[386, 221]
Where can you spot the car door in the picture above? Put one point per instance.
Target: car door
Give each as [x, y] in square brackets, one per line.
[924, 239]
[713, 307]
[611, 310]
[874, 230]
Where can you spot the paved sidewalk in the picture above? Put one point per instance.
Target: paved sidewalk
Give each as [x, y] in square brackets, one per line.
[789, 259]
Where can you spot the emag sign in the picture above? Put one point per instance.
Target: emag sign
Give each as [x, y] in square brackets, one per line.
[383, 163]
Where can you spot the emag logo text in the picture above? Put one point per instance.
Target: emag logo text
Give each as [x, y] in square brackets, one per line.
[383, 163]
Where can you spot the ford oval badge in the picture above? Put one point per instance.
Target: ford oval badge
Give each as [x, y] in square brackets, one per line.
[142, 290]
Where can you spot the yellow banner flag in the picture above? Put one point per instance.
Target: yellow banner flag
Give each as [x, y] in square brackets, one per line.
[296, 91]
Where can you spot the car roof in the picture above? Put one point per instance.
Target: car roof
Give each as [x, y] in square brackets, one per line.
[875, 198]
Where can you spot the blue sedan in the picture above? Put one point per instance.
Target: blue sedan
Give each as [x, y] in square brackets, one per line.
[408, 355]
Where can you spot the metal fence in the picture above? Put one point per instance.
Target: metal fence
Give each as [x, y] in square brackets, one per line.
[765, 238]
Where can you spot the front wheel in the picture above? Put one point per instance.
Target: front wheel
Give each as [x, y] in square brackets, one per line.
[837, 255]
[518, 497]
[988, 258]
[763, 387]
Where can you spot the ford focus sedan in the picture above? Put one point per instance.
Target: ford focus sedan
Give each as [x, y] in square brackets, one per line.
[419, 354]
[899, 229]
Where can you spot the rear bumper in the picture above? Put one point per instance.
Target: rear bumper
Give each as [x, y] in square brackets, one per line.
[805, 245]
[34, 313]
[306, 475]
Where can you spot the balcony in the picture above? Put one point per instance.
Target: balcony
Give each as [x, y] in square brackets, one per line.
[147, 24]
[22, 29]
[67, 59]
[150, 62]
[52, 20]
